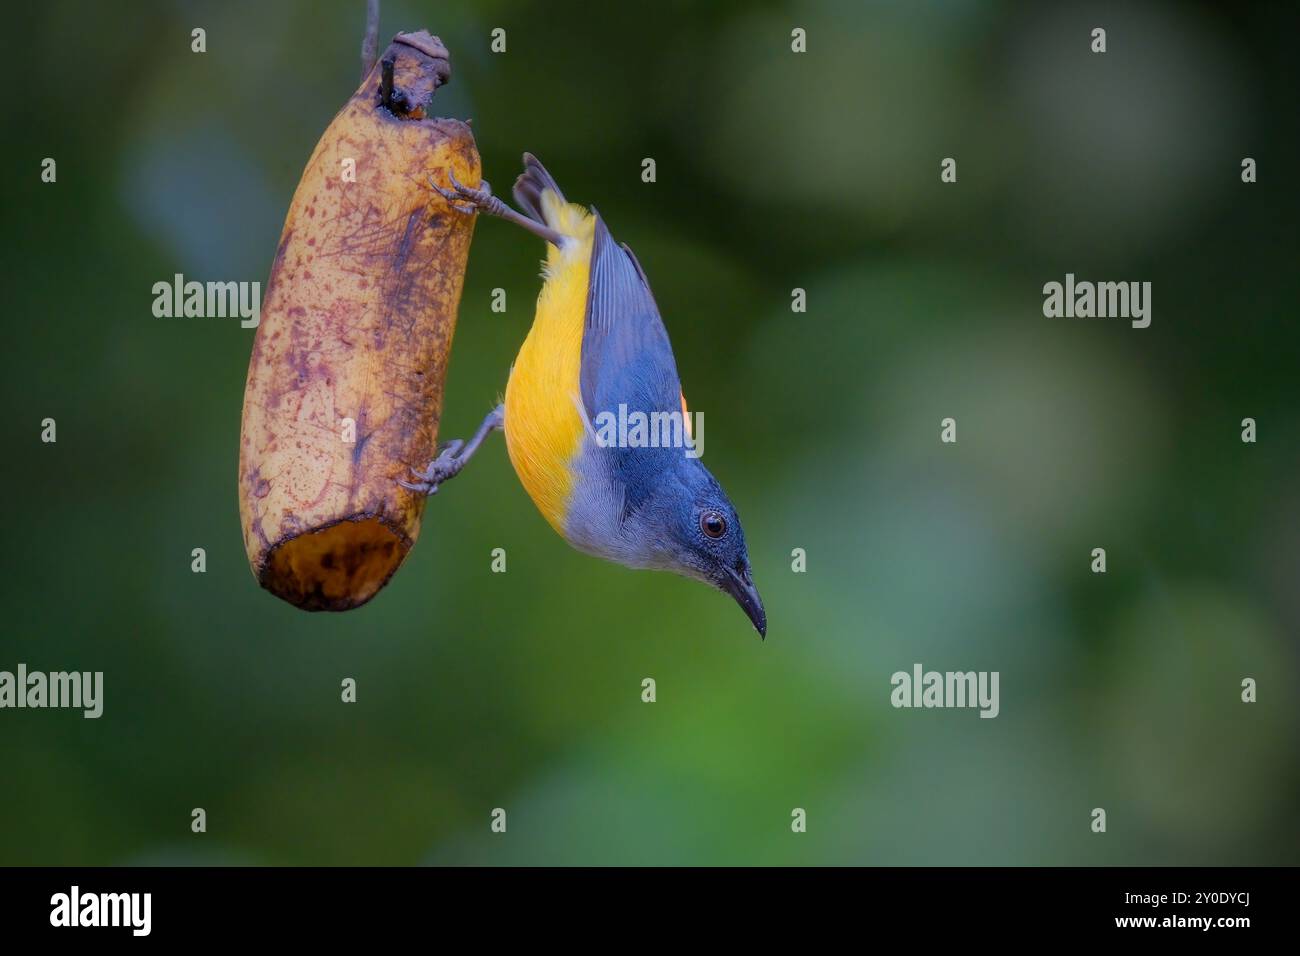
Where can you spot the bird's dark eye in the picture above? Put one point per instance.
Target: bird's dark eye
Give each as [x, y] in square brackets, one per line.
[713, 524]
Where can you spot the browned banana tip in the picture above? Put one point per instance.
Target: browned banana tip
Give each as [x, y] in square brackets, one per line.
[410, 72]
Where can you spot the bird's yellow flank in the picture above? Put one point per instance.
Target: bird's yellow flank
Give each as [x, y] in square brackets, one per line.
[543, 419]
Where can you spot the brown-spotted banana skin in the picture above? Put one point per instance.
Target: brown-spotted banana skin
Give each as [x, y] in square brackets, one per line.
[356, 324]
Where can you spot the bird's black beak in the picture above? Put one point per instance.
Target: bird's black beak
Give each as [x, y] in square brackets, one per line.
[740, 585]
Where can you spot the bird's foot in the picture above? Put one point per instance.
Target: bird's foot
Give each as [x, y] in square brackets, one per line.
[447, 465]
[466, 199]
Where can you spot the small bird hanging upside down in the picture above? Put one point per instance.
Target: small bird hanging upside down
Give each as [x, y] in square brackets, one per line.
[598, 343]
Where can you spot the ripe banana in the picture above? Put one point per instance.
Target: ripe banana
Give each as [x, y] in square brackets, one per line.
[344, 389]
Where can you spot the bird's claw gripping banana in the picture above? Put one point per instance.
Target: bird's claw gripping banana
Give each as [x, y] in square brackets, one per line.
[446, 465]
[454, 456]
[479, 200]
[482, 200]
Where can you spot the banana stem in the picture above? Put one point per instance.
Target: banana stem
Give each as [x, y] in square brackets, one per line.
[370, 42]
[386, 83]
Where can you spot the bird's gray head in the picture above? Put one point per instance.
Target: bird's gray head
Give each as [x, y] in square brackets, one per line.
[689, 526]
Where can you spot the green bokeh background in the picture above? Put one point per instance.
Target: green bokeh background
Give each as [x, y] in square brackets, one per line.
[479, 690]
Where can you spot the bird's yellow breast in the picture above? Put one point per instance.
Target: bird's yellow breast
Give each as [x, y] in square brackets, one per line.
[544, 425]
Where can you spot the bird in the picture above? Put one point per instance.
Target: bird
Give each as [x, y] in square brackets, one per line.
[598, 349]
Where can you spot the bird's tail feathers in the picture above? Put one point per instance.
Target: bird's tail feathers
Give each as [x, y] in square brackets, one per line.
[539, 196]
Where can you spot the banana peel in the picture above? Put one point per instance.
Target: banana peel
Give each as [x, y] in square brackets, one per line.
[344, 389]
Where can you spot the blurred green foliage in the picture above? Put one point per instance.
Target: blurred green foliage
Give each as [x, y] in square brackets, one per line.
[775, 171]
